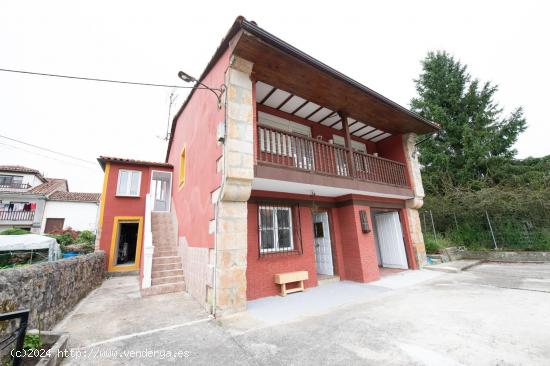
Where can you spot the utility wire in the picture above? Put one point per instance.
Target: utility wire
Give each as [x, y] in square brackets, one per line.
[101, 80]
[46, 156]
[49, 150]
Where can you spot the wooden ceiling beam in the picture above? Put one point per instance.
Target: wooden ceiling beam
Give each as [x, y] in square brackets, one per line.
[284, 71]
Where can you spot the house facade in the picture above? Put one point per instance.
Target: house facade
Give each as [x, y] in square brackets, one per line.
[299, 169]
[30, 201]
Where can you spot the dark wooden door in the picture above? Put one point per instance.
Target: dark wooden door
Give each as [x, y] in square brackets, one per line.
[54, 224]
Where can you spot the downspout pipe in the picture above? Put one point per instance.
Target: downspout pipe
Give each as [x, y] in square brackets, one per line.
[216, 209]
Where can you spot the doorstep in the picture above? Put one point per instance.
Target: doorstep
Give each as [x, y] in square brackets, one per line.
[326, 279]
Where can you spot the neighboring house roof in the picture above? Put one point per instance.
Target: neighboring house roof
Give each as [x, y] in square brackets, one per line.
[241, 24]
[21, 169]
[104, 159]
[50, 186]
[74, 196]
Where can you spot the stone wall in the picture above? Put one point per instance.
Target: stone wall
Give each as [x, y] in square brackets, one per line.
[228, 291]
[507, 256]
[51, 289]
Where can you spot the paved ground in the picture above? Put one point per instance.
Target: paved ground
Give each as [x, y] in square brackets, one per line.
[492, 314]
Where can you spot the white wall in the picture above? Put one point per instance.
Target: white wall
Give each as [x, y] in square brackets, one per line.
[78, 215]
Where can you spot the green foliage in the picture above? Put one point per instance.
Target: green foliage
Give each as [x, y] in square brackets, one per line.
[32, 342]
[475, 138]
[435, 244]
[63, 239]
[14, 231]
[432, 247]
[520, 217]
[86, 236]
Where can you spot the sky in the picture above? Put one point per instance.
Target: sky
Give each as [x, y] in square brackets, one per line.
[378, 43]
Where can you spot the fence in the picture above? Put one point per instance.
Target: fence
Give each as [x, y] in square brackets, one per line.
[522, 229]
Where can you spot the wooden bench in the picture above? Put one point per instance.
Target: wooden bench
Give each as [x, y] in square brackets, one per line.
[288, 277]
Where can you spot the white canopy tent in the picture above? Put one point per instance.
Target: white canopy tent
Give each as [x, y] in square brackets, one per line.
[30, 242]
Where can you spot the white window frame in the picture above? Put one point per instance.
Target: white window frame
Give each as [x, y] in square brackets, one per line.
[126, 193]
[275, 229]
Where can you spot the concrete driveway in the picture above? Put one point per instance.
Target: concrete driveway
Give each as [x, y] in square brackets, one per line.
[491, 314]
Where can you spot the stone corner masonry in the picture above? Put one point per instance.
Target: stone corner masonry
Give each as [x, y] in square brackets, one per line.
[227, 293]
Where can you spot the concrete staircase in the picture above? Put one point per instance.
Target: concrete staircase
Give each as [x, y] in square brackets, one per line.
[167, 271]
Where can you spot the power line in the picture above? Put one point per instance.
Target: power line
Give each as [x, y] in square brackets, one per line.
[46, 156]
[48, 150]
[101, 80]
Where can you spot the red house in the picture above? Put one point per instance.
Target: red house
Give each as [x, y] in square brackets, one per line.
[299, 168]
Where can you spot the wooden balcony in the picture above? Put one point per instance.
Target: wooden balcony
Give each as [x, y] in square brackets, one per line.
[17, 216]
[279, 148]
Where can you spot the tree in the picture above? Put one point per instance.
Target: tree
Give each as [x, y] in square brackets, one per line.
[475, 139]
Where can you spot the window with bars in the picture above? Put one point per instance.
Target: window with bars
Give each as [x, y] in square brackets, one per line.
[278, 229]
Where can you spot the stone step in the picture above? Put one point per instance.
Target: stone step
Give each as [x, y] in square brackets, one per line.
[171, 243]
[165, 253]
[162, 237]
[166, 266]
[169, 273]
[166, 280]
[163, 289]
[166, 259]
[326, 279]
[163, 229]
[165, 247]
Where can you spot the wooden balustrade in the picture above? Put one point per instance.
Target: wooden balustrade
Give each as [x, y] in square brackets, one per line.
[292, 150]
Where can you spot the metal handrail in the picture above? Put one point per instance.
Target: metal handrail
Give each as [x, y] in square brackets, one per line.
[17, 336]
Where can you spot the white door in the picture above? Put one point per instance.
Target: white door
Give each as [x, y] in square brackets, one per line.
[390, 239]
[160, 190]
[323, 249]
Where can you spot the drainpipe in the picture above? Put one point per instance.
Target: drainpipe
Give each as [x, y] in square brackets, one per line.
[216, 210]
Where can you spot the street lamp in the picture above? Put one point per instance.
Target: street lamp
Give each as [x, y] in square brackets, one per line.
[218, 92]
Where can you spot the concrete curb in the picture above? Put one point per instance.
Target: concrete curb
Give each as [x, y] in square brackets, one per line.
[454, 266]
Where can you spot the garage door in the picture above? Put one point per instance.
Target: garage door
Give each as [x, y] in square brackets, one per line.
[390, 240]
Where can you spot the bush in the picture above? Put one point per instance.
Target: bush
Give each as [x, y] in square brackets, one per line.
[14, 231]
[519, 217]
[434, 246]
[86, 236]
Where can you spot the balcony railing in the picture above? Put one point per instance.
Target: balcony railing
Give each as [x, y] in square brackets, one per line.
[16, 215]
[15, 186]
[304, 153]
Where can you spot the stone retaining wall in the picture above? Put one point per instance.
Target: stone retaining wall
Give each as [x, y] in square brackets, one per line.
[508, 256]
[51, 289]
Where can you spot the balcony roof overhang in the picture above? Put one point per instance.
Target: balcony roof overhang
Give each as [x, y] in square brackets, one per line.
[285, 67]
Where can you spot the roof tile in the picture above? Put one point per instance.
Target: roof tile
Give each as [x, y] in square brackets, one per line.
[74, 196]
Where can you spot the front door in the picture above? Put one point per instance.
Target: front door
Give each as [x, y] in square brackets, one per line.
[323, 248]
[160, 187]
[390, 240]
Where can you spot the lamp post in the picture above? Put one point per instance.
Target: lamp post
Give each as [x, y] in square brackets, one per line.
[218, 92]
